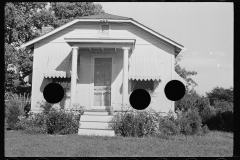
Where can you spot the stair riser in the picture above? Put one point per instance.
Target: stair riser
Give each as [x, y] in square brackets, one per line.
[93, 118]
[96, 132]
[96, 113]
[95, 125]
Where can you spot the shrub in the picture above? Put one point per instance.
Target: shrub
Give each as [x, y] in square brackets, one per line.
[190, 122]
[54, 122]
[222, 120]
[168, 127]
[35, 123]
[207, 113]
[194, 120]
[46, 107]
[61, 122]
[205, 129]
[135, 123]
[223, 106]
[13, 111]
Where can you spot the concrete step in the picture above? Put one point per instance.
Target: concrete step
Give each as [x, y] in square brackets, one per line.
[96, 118]
[97, 110]
[96, 132]
[95, 113]
[95, 125]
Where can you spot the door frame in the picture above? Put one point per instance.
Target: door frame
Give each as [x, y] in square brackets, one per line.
[93, 56]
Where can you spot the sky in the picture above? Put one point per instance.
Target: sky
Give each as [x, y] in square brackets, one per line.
[204, 29]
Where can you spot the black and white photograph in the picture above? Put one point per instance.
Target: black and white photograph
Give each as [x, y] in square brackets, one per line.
[118, 79]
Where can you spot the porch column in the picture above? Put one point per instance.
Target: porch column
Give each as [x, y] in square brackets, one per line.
[73, 75]
[125, 75]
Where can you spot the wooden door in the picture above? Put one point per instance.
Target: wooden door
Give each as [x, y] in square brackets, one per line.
[102, 81]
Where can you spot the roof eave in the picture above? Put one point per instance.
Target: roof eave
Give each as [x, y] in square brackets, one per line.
[100, 20]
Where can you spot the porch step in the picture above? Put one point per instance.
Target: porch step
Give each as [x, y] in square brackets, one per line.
[96, 132]
[94, 125]
[96, 113]
[95, 118]
[97, 110]
[95, 122]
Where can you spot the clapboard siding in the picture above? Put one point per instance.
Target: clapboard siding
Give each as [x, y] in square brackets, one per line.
[91, 30]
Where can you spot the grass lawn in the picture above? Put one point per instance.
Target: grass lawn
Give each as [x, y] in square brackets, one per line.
[21, 144]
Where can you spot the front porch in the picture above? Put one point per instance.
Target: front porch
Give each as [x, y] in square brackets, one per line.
[100, 66]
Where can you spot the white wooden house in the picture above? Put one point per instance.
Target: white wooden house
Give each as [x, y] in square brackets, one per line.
[110, 56]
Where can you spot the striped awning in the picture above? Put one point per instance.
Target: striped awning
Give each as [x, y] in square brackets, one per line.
[144, 68]
[59, 65]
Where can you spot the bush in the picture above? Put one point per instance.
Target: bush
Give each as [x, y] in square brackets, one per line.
[190, 122]
[35, 123]
[61, 122]
[168, 126]
[46, 107]
[12, 111]
[205, 129]
[54, 122]
[135, 124]
[222, 120]
[207, 113]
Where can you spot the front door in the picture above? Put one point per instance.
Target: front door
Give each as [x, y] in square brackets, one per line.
[102, 82]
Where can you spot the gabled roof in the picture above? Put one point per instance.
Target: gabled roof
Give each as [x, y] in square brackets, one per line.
[105, 15]
[110, 18]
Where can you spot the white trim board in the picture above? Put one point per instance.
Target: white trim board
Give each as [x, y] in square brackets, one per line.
[99, 20]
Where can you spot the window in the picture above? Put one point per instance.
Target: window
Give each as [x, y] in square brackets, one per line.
[147, 85]
[104, 30]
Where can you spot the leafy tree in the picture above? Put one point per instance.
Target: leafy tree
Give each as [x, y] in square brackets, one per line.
[186, 75]
[220, 93]
[23, 22]
[10, 76]
[67, 11]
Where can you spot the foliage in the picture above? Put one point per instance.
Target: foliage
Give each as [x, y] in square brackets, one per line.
[23, 22]
[51, 121]
[12, 112]
[223, 106]
[185, 74]
[168, 126]
[60, 122]
[135, 124]
[190, 100]
[46, 107]
[207, 113]
[222, 120]
[35, 123]
[205, 129]
[220, 93]
[67, 11]
[190, 122]
[10, 60]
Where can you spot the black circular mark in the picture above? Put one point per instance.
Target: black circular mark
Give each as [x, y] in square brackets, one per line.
[174, 90]
[140, 99]
[42, 159]
[72, 159]
[53, 93]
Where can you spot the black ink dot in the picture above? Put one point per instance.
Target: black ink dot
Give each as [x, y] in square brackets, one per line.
[140, 99]
[53, 93]
[174, 90]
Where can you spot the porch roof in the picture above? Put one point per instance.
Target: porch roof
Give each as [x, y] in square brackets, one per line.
[59, 66]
